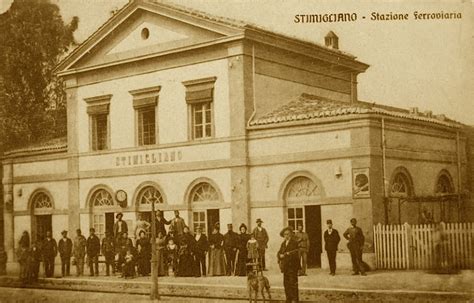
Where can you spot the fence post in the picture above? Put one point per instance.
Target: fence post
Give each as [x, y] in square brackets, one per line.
[408, 245]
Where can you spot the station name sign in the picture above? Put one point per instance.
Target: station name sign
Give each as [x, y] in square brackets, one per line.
[149, 158]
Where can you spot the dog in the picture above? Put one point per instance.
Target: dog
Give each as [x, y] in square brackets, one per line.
[258, 284]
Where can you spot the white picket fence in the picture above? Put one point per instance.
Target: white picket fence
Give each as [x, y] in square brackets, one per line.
[424, 246]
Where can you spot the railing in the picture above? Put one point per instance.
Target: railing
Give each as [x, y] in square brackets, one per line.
[425, 246]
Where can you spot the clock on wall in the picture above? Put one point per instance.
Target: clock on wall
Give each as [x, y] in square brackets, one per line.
[121, 197]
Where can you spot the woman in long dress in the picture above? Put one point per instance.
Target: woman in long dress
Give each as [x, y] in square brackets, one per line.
[161, 254]
[186, 263]
[144, 254]
[216, 254]
[244, 237]
[22, 255]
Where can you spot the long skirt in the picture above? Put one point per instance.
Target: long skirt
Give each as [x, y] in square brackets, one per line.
[186, 265]
[241, 266]
[216, 262]
[162, 267]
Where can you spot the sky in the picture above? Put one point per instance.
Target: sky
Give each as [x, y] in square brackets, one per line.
[427, 64]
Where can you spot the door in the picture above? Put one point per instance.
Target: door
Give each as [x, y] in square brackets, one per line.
[43, 224]
[313, 228]
[109, 222]
[212, 218]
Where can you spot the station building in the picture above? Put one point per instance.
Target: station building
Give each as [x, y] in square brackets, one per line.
[228, 122]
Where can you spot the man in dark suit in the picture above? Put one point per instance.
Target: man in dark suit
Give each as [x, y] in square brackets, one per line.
[261, 236]
[160, 223]
[120, 227]
[200, 249]
[50, 250]
[65, 251]
[356, 239]
[288, 258]
[331, 241]
[93, 251]
[230, 248]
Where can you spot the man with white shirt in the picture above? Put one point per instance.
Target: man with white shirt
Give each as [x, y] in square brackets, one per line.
[331, 241]
[261, 236]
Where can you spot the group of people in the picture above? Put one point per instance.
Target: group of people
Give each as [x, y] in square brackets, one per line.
[292, 255]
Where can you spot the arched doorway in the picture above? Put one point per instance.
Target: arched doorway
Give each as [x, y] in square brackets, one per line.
[41, 215]
[102, 209]
[147, 195]
[301, 195]
[205, 200]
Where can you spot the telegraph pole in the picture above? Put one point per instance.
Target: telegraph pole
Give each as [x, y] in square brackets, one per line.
[154, 295]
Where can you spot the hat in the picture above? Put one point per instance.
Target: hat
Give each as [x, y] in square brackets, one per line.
[64, 232]
[92, 229]
[119, 214]
[328, 221]
[243, 225]
[229, 225]
[259, 220]
[285, 229]
[353, 220]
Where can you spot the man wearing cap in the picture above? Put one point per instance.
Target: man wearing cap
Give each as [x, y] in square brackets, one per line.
[65, 251]
[231, 240]
[93, 251]
[79, 252]
[331, 241]
[303, 244]
[356, 239]
[120, 226]
[50, 251]
[289, 262]
[261, 236]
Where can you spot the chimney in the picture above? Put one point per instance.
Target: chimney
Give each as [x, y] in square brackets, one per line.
[414, 110]
[331, 40]
[429, 114]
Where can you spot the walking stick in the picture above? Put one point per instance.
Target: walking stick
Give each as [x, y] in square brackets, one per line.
[235, 261]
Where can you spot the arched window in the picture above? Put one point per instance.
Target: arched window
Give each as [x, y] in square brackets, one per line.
[204, 192]
[102, 198]
[42, 201]
[299, 190]
[444, 185]
[400, 186]
[150, 194]
[302, 188]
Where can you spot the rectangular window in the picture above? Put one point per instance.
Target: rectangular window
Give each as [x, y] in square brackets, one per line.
[295, 217]
[202, 121]
[98, 110]
[145, 102]
[146, 126]
[99, 132]
[199, 220]
[99, 225]
[200, 98]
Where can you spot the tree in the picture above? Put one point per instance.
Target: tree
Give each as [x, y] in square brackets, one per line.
[34, 39]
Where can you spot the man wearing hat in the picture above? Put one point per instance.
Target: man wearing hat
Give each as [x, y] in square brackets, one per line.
[65, 251]
[261, 236]
[49, 250]
[331, 241]
[177, 225]
[288, 258]
[303, 244]
[355, 243]
[231, 240]
[93, 251]
[108, 251]
[120, 226]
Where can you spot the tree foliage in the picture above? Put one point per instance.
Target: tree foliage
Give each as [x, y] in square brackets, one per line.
[33, 39]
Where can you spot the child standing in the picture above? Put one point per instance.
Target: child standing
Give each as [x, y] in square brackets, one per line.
[252, 249]
[172, 253]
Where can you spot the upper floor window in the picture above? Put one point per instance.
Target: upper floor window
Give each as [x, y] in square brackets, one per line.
[98, 110]
[200, 97]
[145, 102]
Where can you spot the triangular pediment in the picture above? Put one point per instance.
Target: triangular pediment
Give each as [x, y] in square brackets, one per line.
[142, 29]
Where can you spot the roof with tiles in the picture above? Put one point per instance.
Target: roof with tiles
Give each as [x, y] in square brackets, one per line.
[311, 108]
[51, 145]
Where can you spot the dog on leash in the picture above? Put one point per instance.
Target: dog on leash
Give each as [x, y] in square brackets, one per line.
[258, 284]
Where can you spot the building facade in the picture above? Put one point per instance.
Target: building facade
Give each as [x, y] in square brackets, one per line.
[227, 122]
